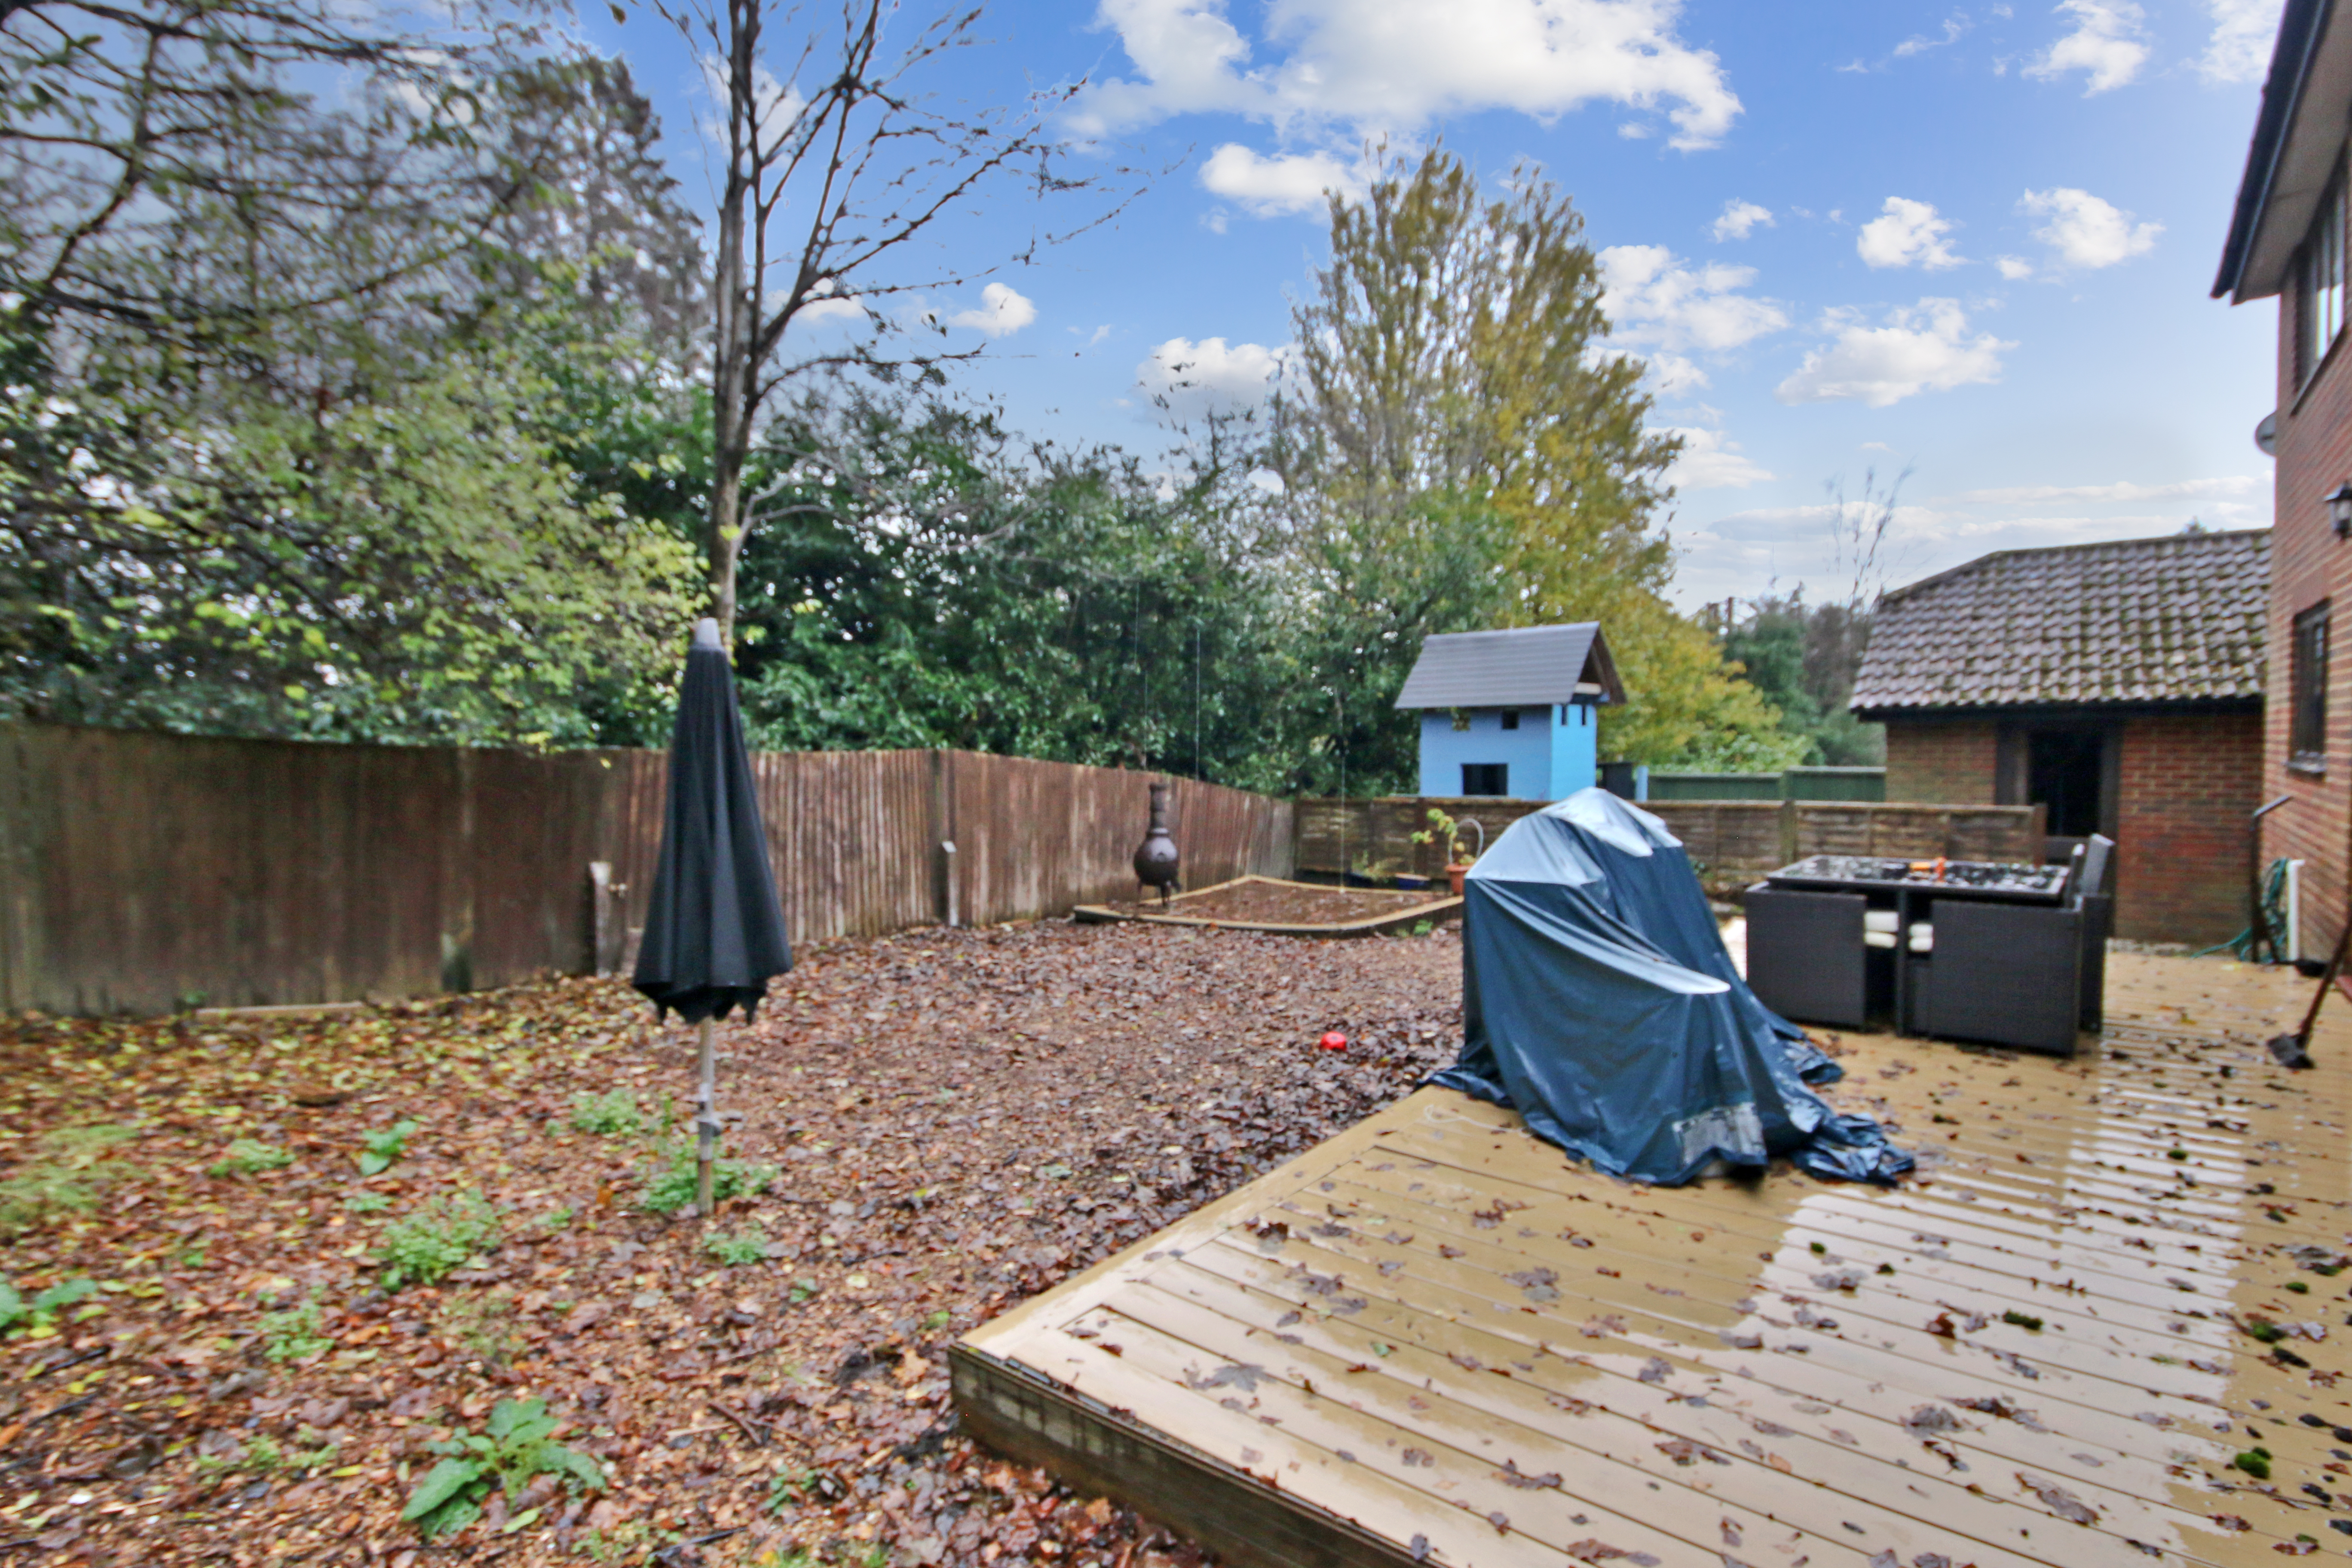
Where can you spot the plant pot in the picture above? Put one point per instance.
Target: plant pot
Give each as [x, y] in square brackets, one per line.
[1454, 875]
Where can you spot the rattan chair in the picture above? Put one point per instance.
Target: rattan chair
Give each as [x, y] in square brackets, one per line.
[1806, 960]
[2006, 974]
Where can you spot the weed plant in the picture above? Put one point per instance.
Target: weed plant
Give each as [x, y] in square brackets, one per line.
[250, 1157]
[381, 1149]
[295, 1333]
[613, 1115]
[63, 1176]
[38, 1315]
[736, 1248]
[671, 1186]
[425, 1247]
[518, 1444]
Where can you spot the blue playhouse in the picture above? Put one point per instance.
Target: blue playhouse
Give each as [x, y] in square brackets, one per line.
[1511, 713]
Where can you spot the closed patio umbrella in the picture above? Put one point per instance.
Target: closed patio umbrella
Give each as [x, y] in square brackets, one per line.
[715, 933]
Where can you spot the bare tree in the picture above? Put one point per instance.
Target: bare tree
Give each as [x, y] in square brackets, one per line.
[192, 175]
[843, 181]
[1858, 531]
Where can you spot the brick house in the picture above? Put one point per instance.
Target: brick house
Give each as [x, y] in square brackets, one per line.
[2120, 687]
[2287, 241]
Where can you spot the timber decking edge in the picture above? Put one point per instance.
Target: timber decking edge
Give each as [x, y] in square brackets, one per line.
[1031, 1418]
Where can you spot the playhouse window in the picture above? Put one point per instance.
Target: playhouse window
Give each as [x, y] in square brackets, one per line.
[1486, 778]
[1461, 720]
[1510, 718]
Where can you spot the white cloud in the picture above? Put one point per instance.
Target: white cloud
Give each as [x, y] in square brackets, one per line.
[2013, 266]
[2105, 45]
[1671, 374]
[1954, 25]
[1003, 312]
[1287, 182]
[2228, 487]
[1908, 231]
[1708, 462]
[832, 307]
[1923, 348]
[1653, 298]
[1185, 380]
[1738, 219]
[1398, 64]
[2240, 45]
[2086, 232]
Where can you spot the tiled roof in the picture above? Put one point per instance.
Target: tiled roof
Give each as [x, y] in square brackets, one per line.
[1523, 665]
[2177, 619]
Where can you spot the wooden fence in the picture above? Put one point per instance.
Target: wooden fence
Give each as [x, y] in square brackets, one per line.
[1729, 839]
[143, 872]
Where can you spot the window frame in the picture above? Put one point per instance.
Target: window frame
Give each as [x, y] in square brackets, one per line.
[2321, 283]
[2307, 714]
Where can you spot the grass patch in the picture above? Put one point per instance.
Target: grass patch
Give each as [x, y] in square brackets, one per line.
[613, 1115]
[62, 1177]
[250, 1157]
[671, 1186]
[436, 1240]
[734, 1249]
[296, 1333]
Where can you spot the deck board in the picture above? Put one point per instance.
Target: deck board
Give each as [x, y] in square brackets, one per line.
[1436, 1338]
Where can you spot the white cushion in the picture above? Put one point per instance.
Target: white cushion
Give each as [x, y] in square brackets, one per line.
[1878, 939]
[1880, 920]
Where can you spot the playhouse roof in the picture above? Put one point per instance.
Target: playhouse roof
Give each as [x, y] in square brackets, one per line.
[1513, 669]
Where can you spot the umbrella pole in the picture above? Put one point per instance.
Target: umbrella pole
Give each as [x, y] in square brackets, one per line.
[706, 1118]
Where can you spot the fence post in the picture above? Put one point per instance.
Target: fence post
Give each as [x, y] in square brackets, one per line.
[457, 880]
[1792, 848]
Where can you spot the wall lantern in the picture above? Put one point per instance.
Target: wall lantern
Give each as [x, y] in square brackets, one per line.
[2339, 509]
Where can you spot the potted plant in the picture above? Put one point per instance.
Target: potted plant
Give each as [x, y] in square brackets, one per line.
[1458, 860]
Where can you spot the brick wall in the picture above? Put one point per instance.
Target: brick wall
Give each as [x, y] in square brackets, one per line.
[2308, 564]
[2186, 786]
[1941, 763]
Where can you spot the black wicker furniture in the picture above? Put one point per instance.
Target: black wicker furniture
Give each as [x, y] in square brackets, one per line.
[2005, 955]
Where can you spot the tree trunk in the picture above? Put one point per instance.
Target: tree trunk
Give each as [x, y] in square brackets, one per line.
[734, 298]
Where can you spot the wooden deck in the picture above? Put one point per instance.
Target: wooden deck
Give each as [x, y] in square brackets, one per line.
[1435, 1338]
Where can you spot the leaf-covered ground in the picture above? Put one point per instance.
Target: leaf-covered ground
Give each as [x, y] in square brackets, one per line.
[954, 1119]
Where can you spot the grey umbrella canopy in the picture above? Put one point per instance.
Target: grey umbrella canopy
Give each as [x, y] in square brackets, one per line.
[715, 933]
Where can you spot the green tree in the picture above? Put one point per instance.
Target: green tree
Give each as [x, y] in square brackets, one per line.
[915, 577]
[296, 381]
[413, 567]
[1804, 657]
[1456, 346]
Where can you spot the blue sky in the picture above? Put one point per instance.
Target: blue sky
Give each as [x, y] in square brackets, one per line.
[1976, 241]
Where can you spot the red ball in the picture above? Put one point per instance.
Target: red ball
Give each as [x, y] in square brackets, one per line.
[1334, 1041]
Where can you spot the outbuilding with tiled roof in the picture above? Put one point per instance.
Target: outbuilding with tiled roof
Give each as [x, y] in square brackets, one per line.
[2120, 686]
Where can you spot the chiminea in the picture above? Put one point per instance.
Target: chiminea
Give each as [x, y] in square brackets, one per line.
[1155, 857]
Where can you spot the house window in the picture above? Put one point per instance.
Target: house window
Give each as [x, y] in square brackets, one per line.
[2307, 737]
[1486, 778]
[2321, 303]
[1460, 722]
[1510, 718]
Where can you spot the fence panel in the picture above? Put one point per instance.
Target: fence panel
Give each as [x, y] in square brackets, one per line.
[140, 872]
[1728, 839]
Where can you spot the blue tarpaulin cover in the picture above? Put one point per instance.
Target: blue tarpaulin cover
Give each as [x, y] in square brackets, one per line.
[1599, 1002]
